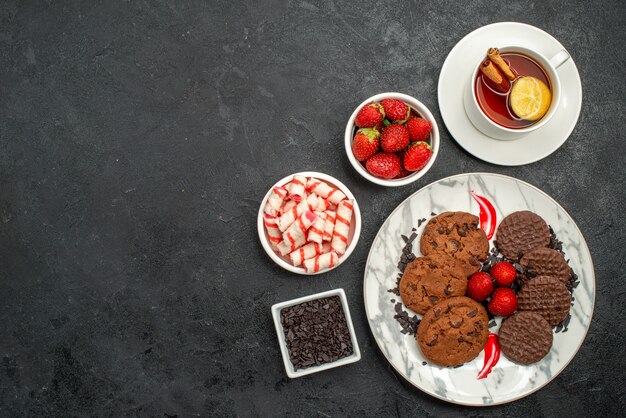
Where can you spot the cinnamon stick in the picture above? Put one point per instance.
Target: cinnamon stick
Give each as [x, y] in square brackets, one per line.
[498, 81]
[494, 55]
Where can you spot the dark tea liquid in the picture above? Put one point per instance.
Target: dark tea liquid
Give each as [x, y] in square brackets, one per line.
[495, 104]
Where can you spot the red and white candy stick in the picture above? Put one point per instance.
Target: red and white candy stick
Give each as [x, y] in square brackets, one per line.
[332, 194]
[313, 201]
[298, 229]
[288, 218]
[322, 261]
[288, 206]
[329, 225]
[322, 206]
[271, 226]
[285, 247]
[310, 250]
[275, 201]
[342, 226]
[316, 231]
[296, 188]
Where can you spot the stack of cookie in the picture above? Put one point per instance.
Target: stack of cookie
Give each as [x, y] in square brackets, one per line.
[544, 300]
[454, 328]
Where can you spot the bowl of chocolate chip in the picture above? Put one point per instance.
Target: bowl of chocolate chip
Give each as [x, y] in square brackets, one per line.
[315, 333]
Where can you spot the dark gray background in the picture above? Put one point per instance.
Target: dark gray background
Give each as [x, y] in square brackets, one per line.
[137, 140]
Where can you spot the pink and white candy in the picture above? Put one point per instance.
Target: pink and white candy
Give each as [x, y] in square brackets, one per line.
[342, 227]
[273, 233]
[322, 261]
[322, 189]
[288, 218]
[298, 229]
[329, 225]
[310, 250]
[316, 231]
[275, 201]
[296, 188]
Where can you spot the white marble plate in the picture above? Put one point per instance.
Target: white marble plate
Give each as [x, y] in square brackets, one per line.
[457, 70]
[508, 381]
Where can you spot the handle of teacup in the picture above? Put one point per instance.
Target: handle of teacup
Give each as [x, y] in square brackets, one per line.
[559, 58]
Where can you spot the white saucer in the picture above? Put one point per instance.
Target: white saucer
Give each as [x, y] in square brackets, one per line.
[458, 68]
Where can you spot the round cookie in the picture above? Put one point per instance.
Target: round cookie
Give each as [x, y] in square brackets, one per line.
[520, 232]
[454, 331]
[545, 262]
[427, 280]
[456, 234]
[525, 337]
[546, 296]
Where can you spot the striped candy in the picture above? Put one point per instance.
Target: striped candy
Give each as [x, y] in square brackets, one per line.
[285, 247]
[288, 218]
[310, 250]
[332, 194]
[316, 231]
[298, 229]
[342, 226]
[271, 225]
[275, 201]
[296, 188]
[329, 225]
[322, 261]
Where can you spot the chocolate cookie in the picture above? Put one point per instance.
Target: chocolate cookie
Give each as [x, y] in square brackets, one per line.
[456, 234]
[525, 337]
[521, 232]
[545, 262]
[454, 331]
[546, 296]
[427, 280]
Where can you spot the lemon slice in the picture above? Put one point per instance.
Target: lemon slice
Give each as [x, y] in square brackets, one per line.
[530, 98]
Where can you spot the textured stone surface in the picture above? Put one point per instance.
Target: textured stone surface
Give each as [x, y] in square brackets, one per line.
[136, 140]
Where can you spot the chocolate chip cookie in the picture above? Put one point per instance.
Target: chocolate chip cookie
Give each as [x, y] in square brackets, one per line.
[453, 332]
[546, 296]
[525, 337]
[545, 262]
[456, 234]
[428, 280]
[520, 232]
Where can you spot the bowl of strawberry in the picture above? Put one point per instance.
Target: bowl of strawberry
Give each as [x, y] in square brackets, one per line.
[392, 139]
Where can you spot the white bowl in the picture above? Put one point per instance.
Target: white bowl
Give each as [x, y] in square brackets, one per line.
[291, 372]
[353, 233]
[423, 112]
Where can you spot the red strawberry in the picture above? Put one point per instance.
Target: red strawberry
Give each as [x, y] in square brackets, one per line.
[503, 273]
[480, 286]
[395, 110]
[394, 138]
[365, 143]
[403, 173]
[417, 155]
[370, 115]
[384, 165]
[419, 129]
[503, 302]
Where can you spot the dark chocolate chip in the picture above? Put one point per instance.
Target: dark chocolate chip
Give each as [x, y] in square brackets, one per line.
[472, 313]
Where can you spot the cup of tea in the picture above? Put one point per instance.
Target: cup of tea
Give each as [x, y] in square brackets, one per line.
[508, 103]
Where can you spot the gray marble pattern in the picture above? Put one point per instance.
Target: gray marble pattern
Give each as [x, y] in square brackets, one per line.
[508, 381]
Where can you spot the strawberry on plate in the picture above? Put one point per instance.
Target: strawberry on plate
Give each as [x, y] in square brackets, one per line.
[503, 273]
[384, 165]
[394, 138]
[503, 302]
[417, 155]
[419, 129]
[396, 110]
[480, 286]
[370, 115]
[365, 143]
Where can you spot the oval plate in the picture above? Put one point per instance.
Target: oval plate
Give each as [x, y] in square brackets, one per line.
[508, 381]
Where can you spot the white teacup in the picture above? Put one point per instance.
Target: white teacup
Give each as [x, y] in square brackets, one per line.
[483, 123]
